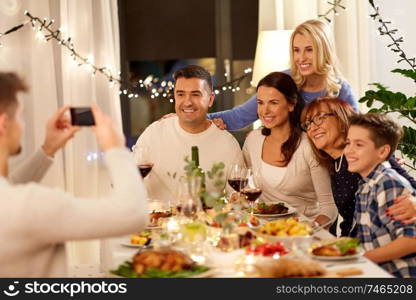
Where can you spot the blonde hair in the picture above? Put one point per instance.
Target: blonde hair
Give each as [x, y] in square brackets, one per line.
[325, 59]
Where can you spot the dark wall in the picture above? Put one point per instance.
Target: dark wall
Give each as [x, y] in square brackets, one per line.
[244, 28]
[181, 29]
[163, 29]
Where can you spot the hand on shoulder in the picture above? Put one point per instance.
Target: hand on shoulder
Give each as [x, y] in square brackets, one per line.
[403, 210]
[219, 123]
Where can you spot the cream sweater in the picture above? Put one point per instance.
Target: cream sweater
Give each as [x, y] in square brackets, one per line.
[39, 219]
[33, 169]
[306, 185]
[169, 144]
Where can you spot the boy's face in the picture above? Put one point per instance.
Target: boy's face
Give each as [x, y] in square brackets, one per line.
[361, 152]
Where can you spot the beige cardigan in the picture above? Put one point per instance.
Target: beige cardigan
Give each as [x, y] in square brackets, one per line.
[305, 186]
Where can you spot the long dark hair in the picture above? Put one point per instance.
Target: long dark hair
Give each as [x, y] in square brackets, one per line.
[285, 85]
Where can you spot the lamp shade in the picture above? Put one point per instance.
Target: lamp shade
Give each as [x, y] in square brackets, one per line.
[272, 53]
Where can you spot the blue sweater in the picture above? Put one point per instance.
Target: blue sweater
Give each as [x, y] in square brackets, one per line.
[246, 113]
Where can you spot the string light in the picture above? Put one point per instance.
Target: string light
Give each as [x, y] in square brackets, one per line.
[335, 5]
[384, 29]
[45, 31]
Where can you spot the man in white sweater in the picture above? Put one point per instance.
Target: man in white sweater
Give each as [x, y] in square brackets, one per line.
[40, 219]
[170, 140]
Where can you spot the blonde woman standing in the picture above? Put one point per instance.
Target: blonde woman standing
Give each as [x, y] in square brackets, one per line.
[313, 67]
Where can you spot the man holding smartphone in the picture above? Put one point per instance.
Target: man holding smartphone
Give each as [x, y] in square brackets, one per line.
[39, 219]
[58, 133]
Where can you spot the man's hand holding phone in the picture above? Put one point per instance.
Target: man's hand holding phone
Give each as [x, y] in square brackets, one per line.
[60, 128]
[108, 136]
[58, 131]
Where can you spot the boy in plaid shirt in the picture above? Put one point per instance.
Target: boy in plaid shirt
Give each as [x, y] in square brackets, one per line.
[372, 138]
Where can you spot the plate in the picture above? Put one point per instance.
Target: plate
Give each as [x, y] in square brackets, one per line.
[208, 273]
[290, 242]
[126, 243]
[291, 211]
[130, 245]
[153, 227]
[337, 258]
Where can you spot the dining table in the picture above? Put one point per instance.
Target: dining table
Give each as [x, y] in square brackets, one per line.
[117, 250]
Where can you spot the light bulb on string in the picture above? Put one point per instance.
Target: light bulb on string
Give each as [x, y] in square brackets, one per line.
[39, 36]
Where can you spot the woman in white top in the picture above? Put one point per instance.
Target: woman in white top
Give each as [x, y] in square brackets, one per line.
[283, 155]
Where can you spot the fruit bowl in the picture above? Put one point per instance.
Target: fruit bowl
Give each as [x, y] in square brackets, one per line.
[290, 232]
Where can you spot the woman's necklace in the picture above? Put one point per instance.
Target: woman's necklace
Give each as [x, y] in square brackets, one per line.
[338, 167]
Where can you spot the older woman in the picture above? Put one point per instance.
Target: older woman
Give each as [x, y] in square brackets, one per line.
[283, 155]
[326, 122]
[313, 67]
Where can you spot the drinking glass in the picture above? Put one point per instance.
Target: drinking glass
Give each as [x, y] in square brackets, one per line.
[237, 177]
[253, 188]
[143, 160]
[188, 202]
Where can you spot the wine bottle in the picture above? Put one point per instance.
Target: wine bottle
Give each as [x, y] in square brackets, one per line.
[199, 172]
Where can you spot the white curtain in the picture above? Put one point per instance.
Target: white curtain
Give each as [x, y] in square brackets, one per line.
[56, 80]
[350, 29]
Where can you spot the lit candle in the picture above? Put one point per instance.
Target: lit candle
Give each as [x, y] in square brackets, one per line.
[172, 225]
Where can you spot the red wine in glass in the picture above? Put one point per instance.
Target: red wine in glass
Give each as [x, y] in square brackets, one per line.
[237, 183]
[145, 169]
[251, 194]
[189, 210]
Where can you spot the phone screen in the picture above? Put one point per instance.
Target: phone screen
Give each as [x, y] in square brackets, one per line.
[82, 116]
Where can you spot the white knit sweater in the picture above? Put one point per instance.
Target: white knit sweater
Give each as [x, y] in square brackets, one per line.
[38, 220]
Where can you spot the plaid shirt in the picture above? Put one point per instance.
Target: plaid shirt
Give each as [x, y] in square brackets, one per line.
[375, 194]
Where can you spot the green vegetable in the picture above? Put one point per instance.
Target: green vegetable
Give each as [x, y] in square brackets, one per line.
[126, 270]
[347, 243]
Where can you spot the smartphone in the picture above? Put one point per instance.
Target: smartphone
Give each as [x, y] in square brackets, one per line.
[82, 116]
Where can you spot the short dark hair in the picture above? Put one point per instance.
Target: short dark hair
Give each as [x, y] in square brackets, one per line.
[383, 130]
[194, 71]
[285, 85]
[10, 85]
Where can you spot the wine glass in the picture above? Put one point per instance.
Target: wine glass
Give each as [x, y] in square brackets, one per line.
[237, 177]
[189, 203]
[143, 160]
[253, 188]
